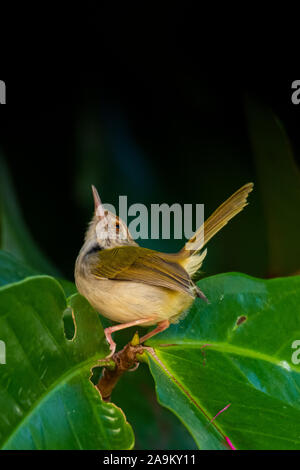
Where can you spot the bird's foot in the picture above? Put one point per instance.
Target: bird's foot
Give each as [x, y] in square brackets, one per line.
[112, 344]
[135, 342]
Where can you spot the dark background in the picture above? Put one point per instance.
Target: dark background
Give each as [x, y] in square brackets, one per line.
[140, 112]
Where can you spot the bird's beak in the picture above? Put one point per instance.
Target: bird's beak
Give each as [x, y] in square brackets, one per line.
[99, 210]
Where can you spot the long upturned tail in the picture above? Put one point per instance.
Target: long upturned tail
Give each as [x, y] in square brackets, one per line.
[191, 257]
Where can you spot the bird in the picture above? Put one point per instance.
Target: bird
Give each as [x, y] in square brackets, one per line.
[132, 285]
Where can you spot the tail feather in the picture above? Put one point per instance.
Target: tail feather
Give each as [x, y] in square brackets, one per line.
[191, 258]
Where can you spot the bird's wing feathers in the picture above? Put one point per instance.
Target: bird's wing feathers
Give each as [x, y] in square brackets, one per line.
[137, 264]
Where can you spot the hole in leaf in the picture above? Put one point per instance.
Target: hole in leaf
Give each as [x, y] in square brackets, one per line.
[96, 374]
[69, 325]
[241, 320]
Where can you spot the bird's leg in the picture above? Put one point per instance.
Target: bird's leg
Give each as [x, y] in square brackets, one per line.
[163, 325]
[111, 329]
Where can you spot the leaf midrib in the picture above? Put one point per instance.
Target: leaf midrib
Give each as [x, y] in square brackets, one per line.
[230, 349]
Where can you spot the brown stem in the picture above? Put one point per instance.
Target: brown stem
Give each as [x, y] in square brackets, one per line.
[124, 360]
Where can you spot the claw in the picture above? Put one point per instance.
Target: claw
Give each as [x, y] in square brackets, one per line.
[135, 367]
[112, 344]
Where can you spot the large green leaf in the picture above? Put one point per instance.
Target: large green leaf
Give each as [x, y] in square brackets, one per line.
[250, 326]
[46, 398]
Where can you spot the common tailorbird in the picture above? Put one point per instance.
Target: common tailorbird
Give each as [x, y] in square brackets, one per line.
[132, 285]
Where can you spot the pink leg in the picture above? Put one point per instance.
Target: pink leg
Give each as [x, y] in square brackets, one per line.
[163, 325]
[108, 331]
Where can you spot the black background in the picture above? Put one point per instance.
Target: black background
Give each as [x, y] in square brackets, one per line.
[154, 77]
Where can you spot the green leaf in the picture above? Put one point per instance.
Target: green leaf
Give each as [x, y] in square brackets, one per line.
[46, 398]
[14, 235]
[250, 326]
[279, 185]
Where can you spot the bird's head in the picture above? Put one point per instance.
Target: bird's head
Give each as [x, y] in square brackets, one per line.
[106, 230]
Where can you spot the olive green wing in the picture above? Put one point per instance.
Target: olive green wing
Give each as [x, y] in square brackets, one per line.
[137, 264]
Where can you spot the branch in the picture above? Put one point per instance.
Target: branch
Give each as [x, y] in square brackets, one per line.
[120, 363]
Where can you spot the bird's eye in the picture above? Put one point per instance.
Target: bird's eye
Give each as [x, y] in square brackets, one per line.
[118, 227]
